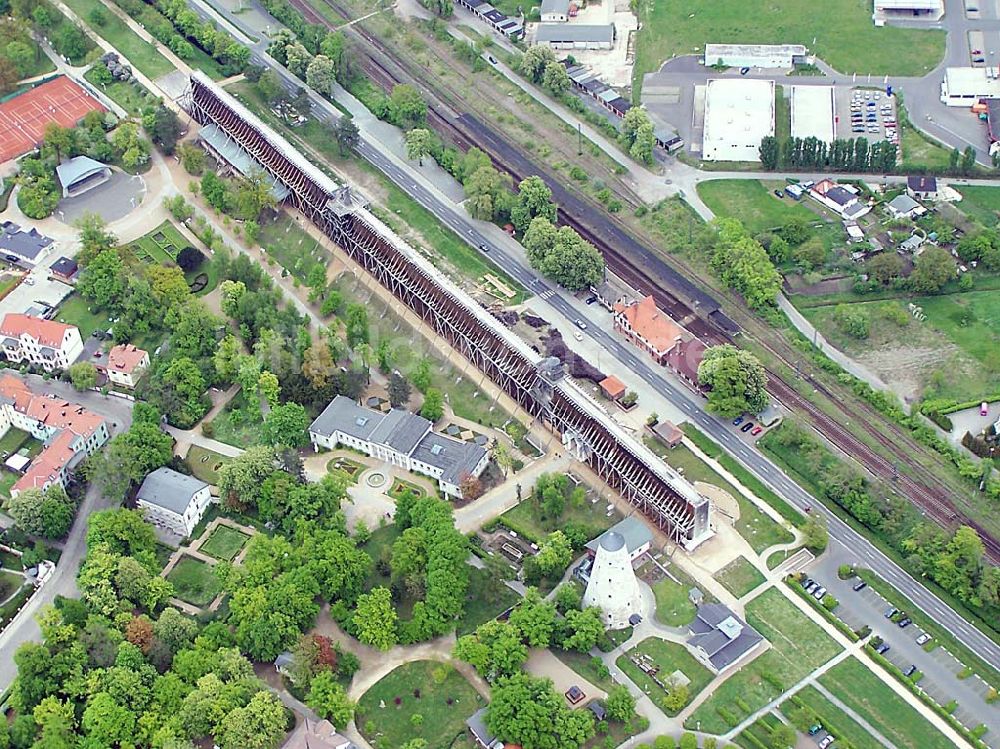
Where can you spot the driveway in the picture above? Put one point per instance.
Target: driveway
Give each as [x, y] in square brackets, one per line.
[940, 668]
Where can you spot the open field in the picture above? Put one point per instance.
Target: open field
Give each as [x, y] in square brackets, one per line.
[798, 646]
[981, 203]
[194, 581]
[919, 151]
[739, 577]
[224, 543]
[752, 202]
[843, 32]
[955, 352]
[861, 690]
[294, 249]
[205, 464]
[755, 526]
[839, 723]
[142, 55]
[525, 518]
[668, 657]
[411, 689]
[673, 607]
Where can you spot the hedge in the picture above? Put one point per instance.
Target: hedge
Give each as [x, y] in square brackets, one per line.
[826, 613]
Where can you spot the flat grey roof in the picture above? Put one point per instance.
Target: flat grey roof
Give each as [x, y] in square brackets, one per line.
[77, 168]
[632, 529]
[452, 456]
[169, 489]
[575, 32]
[241, 161]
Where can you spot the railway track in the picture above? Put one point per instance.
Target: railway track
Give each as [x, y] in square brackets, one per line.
[645, 271]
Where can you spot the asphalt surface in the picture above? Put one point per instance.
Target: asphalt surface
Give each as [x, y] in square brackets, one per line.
[572, 309]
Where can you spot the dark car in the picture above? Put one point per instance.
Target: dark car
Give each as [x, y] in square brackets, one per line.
[747, 427]
[744, 70]
[910, 671]
[860, 585]
[484, 248]
[737, 421]
[905, 622]
[779, 194]
[11, 258]
[815, 728]
[882, 649]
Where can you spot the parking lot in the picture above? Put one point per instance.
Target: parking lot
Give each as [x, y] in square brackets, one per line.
[866, 113]
[939, 667]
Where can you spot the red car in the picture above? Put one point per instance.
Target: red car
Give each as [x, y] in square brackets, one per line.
[757, 430]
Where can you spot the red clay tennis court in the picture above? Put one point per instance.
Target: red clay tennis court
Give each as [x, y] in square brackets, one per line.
[23, 118]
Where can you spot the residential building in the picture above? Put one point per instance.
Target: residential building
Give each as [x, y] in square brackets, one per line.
[843, 200]
[17, 245]
[739, 113]
[903, 206]
[123, 365]
[638, 538]
[648, 328]
[44, 343]
[68, 430]
[685, 358]
[779, 56]
[610, 292]
[400, 438]
[719, 638]
[173, 501]
[922, 188]
[313, 734]
[64, 269]
[913, 243]
[963, 87]
[481, 735]
[854, 233]
[575, 36]
[555, 11]
[81, 173]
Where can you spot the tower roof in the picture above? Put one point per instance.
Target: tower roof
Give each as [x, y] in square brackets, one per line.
[612, 541]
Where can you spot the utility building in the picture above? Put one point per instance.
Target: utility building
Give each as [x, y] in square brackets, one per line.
[739, 112]
[613, 587]
[963, 87]
[575, 36]
[757, 55]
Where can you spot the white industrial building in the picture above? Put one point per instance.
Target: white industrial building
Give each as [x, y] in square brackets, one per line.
[612, 587]
[575, 35]
[907, 10]
[813, 112]
[739, 113]
[757, 55]
[963, 87]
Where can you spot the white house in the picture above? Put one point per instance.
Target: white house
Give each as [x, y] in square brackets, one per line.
[719, 638]
[920, 187]
[903, 206]
[841, 199]
[174, 501]
[68, 430]
[555, 11]
[45, 343]
[123, 365]
[400, 438]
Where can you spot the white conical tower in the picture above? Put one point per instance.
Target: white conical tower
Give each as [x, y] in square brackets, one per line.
[613, 587]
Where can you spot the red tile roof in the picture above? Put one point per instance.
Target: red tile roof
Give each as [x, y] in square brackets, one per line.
[645, 319]
[125, 357]
[685, 358]
[46, 332]
[612, 387]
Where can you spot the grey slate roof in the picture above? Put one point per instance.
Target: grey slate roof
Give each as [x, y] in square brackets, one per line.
[477, 724]
[722, 635]
[240, 159]
[26, 244]
[169, 489]
[840, 195]
[555, 6]
[632, 529]
[574, 32]
[75, 169]
[922, 184]
[903, 203]
[344, 415]
[453, 457]
[400, 430]
[64, 266]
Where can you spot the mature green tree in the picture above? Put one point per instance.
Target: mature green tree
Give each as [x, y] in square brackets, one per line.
[568, 597]
[637, 135]
[418, 144]
[853, 320]
[375, 619]
[743, 264]
[298, 59]
[407, 108]
[286, 425]
[483, 190]
[328, 698]
[769, 153]
[241, 479]
[535, 619]
[47, 513]
[534, 199]
[496, 650]
[320, 74]
[347, 135]
[184, 380]
[561, 254]
[129, 457]
[528, 711]
[555, 79]
[270, 87]
[356, 322]
[258, 725]
[533, 63]
[167, 129]
[885, 267]
[582, 629]
[814, 533]
[83, 375]
[94, 237]
[551, 560]
[130, 145]
[433, 406]
[620, 704]
[932, 270]
[399, 390]
[737, 381]
[102, 281]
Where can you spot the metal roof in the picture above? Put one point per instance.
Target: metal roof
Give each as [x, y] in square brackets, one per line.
[555, 6]
[241, 161]
[574, 32]
[73, 170]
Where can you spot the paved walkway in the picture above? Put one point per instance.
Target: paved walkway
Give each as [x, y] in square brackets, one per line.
[855, 716]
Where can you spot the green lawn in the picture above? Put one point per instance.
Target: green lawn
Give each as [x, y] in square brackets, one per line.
[981, 203]
[224, 543]
[668, 657]
[142, 55]
[12, 441]
[673, 607]
[755, 526]
[239, 424]
[131, 96]
[292, 247]
[798, 646]
[400, 488]
[525, 518]
[379, 546]
[753, 203]
[194, 581]
[862, 691]
[345, 467]
[782, 113]
[75, 311]
[835, 720]
[843, 31]
[417, 688]
[919, 151]
[588, 666]
[205, 464]
[482, 604]
[739, 577]
[161, 245]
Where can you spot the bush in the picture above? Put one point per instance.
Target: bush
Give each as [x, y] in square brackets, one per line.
[845, 571]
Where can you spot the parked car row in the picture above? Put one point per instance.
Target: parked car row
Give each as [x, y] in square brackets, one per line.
[872, 112]
[747, 426]
[813, 588]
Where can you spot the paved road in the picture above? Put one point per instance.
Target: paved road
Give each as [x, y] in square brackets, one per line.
[63, 580]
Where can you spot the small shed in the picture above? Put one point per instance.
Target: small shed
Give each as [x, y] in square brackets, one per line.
[613, 387]
[854, 233]
[668, 433]
[18, 463]
[696, 596]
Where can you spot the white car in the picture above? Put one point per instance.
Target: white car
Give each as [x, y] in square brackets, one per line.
[827, 740]
[924, 639]
[578, 335]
